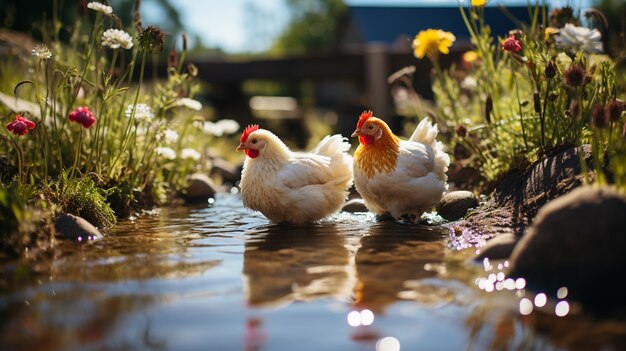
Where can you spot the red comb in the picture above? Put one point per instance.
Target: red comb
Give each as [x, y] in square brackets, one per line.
[246, 132]
[363, 117]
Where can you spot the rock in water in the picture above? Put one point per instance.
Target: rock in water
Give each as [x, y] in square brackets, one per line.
[498, 247]
[199, 188]
[354, 205]
[455, 204]
[68, 226]
[578, 241]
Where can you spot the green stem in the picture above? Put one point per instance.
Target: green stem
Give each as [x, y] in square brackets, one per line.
[131, 120]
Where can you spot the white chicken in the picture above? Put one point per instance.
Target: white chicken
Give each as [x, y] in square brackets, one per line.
[294, 187]
[401, 178]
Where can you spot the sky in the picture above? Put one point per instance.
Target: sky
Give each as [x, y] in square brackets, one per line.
[251, 25]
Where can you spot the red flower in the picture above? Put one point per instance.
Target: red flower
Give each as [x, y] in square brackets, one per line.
[20, 126]
[82, 116]
[512, 44]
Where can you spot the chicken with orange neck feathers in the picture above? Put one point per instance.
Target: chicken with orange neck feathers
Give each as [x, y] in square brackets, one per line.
[400, 178]
[294, 187]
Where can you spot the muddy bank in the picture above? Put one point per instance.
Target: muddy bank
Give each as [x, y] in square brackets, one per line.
[513, 205]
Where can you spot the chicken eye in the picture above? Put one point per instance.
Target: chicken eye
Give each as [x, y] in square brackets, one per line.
[370, 127]
[253, 141]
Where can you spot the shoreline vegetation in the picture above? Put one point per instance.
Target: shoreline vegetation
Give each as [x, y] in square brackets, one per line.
[89, 135]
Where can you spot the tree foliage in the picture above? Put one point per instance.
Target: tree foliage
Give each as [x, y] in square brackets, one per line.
[312, 27]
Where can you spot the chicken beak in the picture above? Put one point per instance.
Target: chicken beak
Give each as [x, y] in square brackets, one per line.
[241, 147]
[357, 132]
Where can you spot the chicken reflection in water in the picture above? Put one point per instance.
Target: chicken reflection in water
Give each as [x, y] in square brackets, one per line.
[371, 271]
[290, 263]
[390, 261]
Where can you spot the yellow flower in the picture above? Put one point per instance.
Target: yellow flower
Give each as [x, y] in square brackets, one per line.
[431, 42]
[470, 56]
[479, 3]
[548, 32]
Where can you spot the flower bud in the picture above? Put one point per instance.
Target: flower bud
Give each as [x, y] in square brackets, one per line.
[461, 131]
[550, 71]
[488, 109]
[598, 118]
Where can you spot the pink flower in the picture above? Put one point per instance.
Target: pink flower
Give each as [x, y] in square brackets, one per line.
[511, 44]
[82, 116]
[20, 126]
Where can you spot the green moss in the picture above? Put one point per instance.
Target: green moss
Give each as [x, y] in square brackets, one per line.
[81, 197]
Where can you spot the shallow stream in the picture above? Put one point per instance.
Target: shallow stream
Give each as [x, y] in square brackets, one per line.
[221, 278]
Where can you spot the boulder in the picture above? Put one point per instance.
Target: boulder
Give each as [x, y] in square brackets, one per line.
[69, 226]
[455, 204]
[578, 241]
[228, 172]
[498, 247]
[199, 188]
[354, 205]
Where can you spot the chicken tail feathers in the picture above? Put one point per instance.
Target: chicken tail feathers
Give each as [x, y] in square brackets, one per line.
[425, 132]
[331, 146]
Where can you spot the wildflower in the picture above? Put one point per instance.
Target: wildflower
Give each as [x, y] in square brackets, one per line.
[189, 103]
[598, 118]
[143, 112]
[511, 44]
[20, 126]
[152, 39]
[42, 52]
[574, 76]
[431, 42]
[549, 32]
[116, 38]
[82, 116]
[559, 17]
[550, 71]
[170, 136]
[468, 58]
[461, 131]
[576, 38]
[96, 6]
[469, 83]
[187, 153]
[166, 152]
[479, 3]
[613, 110]
[221, 127]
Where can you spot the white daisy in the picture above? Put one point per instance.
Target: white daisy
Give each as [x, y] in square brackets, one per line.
[166, 152]
[41, 51]
[189, 153]
[96, 6]
[189, 103]
[170, 136]
[579, 38]
[143, 112]
[116, 38]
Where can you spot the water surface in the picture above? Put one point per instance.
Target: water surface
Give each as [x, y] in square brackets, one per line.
[222, 278]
